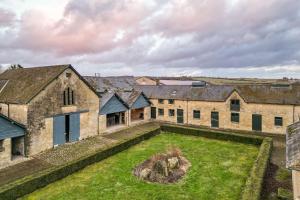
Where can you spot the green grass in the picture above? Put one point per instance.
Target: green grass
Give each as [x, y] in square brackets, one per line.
[283, 174]
[219, 171]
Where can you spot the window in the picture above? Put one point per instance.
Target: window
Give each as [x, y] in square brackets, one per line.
[68, 97]
[278, 121]
[235, 117]
[161, 101]
[235, 104]
[171, 112]
[160, 112]
[196, 114]
[171, 101]
[68, 75]
[1, 146]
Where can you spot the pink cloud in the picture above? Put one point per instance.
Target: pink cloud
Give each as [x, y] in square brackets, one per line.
[6, 17]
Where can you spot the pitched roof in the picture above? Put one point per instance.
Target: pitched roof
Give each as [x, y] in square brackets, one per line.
[10, 128]
[129, 97]
[114, 83]
[25, 83]
[250, 93]
[293, 146]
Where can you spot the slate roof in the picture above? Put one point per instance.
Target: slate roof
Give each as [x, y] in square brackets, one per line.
[25, 83]
[114, 83]
[108, 95]
[10, 128]
[265, 94]
[130, 97]
[293, 146]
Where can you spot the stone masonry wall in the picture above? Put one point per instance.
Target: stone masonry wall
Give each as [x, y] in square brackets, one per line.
[50, 102]
[268, 112]
[5, 154]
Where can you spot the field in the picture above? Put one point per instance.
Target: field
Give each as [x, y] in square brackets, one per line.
[219, 171]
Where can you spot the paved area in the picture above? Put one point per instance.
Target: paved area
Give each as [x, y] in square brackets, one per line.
[21, 170]
[70, 152]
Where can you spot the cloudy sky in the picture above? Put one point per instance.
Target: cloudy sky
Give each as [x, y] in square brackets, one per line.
[227, 38]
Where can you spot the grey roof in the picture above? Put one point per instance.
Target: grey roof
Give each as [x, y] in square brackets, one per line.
[23, 84]
[250, 93]
[130, 97]
[10, 128]
[186, 92]
[293, 146]
[115, 83]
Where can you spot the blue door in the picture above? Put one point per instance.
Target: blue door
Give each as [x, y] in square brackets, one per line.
[74, 127]
[59, 130]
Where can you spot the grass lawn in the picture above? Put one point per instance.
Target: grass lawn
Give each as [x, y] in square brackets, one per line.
[219, 171]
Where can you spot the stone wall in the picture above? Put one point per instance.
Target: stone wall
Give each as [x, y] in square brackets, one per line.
[5, 153]
[50, 102]
[296, 184]
[166, 106]
[145, 81]
[16, 112]
[268, 112]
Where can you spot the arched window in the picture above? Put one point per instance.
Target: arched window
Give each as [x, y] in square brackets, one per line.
[69, 97]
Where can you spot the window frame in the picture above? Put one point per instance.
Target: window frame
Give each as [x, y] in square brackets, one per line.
[232, 117]
[68, 97]
[276, 118]
[161, 113]
[161, 101]
[169, 112]
[196, 117]
[171, 101]
[235, 104]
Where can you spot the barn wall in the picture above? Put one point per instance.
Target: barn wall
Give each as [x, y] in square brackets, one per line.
[50, 102]
[5, 153]
[268, 112]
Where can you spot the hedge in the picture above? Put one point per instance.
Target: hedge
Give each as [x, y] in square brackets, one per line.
[29, 184]
[254, 183]
[213, 134]
[252, 189]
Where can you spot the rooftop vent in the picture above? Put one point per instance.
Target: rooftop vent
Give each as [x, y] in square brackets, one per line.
[199, 84]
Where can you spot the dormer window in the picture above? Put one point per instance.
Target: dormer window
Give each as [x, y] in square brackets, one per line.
[69, 97]
[235, 105]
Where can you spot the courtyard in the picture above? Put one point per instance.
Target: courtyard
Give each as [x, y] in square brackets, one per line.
[219, 170]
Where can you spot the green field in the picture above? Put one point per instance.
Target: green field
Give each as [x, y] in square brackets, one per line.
[219, 171]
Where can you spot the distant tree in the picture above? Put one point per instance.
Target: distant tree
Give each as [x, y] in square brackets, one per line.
[1, 69]
[15, 66]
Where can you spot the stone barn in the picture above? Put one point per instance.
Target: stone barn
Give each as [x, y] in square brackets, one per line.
[49, 106]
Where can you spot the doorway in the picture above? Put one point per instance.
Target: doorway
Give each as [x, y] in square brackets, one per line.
[66, 128]
[180, 118]
[215, 119]
[256, 122]
[153, 112]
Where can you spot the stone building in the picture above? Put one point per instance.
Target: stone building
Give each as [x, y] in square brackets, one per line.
[144, 80]
[121, 105]
[53, 104]
[261, 108]
[293, 156]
